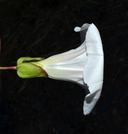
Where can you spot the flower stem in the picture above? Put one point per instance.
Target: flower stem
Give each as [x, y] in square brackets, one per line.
[8, 68]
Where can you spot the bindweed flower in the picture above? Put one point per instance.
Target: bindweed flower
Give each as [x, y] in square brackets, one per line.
[83, 65]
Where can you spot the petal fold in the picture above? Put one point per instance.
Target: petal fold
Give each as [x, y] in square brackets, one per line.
[93, 71]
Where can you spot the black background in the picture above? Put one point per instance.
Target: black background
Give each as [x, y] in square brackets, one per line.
[40, 28]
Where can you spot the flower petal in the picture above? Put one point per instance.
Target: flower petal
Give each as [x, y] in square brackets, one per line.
[93, 72]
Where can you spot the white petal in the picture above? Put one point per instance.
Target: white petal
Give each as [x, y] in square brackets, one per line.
[92, 98]
[83, 65]
[67, 66]
[77, 29]
[93, 72]
[69, 70]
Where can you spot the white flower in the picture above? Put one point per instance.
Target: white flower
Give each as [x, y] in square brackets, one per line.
[83, 65]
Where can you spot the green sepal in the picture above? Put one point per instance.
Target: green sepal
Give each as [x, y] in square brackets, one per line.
[27, 67]
[28, 59]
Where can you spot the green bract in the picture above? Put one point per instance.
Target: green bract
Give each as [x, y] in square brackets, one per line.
[27, 67]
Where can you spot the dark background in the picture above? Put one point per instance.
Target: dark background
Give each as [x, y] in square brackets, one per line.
[44, 106]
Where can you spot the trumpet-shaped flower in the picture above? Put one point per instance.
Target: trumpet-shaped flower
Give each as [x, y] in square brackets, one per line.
[83, 65]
